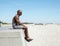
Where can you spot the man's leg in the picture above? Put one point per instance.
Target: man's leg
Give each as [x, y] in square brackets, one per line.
[27, 37]
[26, 32]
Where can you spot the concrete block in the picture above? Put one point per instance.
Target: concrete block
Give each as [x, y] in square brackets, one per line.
[13, 37]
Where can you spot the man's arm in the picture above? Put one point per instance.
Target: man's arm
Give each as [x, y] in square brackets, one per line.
[17, 20]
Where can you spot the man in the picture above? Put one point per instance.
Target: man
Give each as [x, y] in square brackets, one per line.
[16, 24]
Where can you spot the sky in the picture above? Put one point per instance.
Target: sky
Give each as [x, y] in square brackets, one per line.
[36, 11]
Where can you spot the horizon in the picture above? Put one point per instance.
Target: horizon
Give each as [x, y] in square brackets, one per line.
[36, 11]
[1, 22]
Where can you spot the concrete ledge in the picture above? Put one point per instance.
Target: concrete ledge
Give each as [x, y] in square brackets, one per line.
[12, 37]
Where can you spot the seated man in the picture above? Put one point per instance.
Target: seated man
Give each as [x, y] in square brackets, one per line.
[16, 24]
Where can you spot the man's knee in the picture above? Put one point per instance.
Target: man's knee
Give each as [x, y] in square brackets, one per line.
[25, 28]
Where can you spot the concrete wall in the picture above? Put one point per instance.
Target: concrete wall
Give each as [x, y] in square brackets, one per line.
[12, 38]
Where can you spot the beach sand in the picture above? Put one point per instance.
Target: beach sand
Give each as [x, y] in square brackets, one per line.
[44, 35]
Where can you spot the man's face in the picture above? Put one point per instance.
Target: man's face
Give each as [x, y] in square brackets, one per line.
[19, 13]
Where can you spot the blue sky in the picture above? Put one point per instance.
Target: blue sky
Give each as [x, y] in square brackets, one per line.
[37, 11]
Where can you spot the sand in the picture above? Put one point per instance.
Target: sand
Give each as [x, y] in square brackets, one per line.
[44, 35]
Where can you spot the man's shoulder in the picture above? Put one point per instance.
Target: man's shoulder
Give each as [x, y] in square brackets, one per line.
[15, 16]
